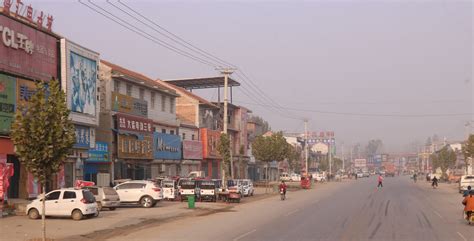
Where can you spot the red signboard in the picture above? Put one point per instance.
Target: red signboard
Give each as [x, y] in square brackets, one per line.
[192, 150]
[210, 138]
[26, 51]
[137, 124]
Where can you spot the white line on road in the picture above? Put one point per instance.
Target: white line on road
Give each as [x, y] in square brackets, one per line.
[460, 235]
[439, 215]
[245, 234]
[294, 211]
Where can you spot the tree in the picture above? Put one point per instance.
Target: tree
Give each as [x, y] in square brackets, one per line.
[468, 149]
[373, 147]
[337, 164]
[241, 164]
[43, 134]
[223, 147]
[444, 159]
[294, 157]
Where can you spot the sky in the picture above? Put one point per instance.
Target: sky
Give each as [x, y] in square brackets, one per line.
[372, 64]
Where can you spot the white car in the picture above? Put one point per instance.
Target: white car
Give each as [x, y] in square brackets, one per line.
[319, 177]
[295, 177]
[65, 202]
[466, 180]
[247, 186]
[285, 177]
[145, 193]
[360, 175]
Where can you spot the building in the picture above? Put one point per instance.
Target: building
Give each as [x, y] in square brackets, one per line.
[138, 120]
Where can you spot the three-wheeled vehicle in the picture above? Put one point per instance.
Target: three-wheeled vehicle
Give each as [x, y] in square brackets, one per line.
[186, 188]
[234, 191]
[170, 189]
[207, 191]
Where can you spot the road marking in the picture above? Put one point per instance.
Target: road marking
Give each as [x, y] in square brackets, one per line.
[460, 235]
[247, 233]
[439, 215]
[294, 211]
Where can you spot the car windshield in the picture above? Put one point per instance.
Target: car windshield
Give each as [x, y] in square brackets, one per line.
[188, 185]
[168, 184]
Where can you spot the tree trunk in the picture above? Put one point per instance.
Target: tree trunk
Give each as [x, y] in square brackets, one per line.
[266, 177]
[43, 216]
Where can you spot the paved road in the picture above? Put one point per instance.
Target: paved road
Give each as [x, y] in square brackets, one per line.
[352, 210]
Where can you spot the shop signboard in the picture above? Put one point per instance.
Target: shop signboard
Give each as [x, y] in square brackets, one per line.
[166, 146]
[136, 124]
[27, 51]
[192, 150]
[209, 139]
[25, 89]
[83, 137]
[99, 154]
[7, 102]
[131, 146]
[129, 105]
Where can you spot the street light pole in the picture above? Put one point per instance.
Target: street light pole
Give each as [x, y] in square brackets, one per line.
[306, 145]
[226, 72]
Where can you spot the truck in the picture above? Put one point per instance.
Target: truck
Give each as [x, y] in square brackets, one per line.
[389, 169]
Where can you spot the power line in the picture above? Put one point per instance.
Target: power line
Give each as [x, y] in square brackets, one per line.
[364, 114]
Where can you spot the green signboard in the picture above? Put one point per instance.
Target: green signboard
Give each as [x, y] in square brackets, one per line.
[7, 102]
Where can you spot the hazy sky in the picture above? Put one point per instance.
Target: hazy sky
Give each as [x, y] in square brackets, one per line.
[368, 57]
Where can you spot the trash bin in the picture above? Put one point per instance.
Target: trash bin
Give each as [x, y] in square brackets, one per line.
[191, 201]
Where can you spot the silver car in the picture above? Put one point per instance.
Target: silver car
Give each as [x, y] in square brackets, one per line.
[106, 197]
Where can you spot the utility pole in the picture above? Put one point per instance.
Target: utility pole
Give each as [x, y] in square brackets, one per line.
[306, 145]
[343, 166]
[330, 159]
[226, 72]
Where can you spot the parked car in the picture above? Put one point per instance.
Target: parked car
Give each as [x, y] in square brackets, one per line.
[285, 177]
[360, 175]
[319, 177]
[466, 180]
[106, 197]
[170, 189]
[186, 188]
[75, 203]
[145, 193]
[366, 174]
[247, 186]
[207, 191]
[294, 177]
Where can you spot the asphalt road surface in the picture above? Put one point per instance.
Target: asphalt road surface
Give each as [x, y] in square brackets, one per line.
[351, 210]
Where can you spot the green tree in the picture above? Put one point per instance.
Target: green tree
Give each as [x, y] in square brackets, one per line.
[294, 158]
[43, 134]
[444, 159]
[241, 164]
[468, 149]
[336, 164]
[223, 147]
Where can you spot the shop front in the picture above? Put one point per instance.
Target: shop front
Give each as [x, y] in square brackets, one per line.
[192, 157]
[167, 155]
[97, 166]
[210, 164]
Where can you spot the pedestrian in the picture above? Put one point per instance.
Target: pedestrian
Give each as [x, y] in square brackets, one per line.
[467, 192]
[380, 179]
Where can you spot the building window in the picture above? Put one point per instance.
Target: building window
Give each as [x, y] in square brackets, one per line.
[129, 89]
[163, 103]
[192, 137]
[163, 131]
[172, 132]
[116, 86]
[184, 136]
[142, 93]
[171, 105]
[152, 100]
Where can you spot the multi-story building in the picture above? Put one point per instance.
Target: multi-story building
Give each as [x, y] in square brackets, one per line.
[138, 120]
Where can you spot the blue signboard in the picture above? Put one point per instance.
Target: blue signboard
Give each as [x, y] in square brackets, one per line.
[166, 146]
[100, 153]
[83, 137]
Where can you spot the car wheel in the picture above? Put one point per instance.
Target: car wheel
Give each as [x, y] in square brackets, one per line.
[77, 215]
[33, 213]
[146, 202]
[112, 209]
[99, 206]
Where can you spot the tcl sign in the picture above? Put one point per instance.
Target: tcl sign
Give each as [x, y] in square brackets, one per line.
[27, 51]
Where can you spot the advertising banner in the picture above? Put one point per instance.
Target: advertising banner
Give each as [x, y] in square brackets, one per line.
[130, 123]
[7, 102]
[27, 51]
[83, 137]
[192, 150]
[82, 80]
[24, 90]
[135, 146]
[129, 105]
[209, 139]
[100, 154]
[360, 163]
[166, 146]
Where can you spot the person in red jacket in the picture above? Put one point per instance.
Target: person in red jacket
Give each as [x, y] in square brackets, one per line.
[282, 186]
[380, 179]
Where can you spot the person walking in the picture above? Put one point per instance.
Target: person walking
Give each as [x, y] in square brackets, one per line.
[380, 179]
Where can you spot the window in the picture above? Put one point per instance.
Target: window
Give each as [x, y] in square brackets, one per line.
[163, 131]
[171, 132]
[184, 136]
[69, 195]
[163, 103]
[142, 93]
[192, 137]
[171, 105]
[93, 190]
[116, 86]
[53, 195]
[152, 100]
[129, 89]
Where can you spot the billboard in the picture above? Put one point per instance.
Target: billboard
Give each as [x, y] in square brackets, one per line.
[25, 89]
[210, 138]
[360, 163]
[26, 51]
[99, 154]
[166, 146]
[83, 137]
[129, 105]
[7, 102]
[131, 123]
[192, 150]
[135, 146]
[82, 78]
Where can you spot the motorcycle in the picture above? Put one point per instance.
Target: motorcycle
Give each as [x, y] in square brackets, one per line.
[282, 194]
[469, 216]
[434, 185]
